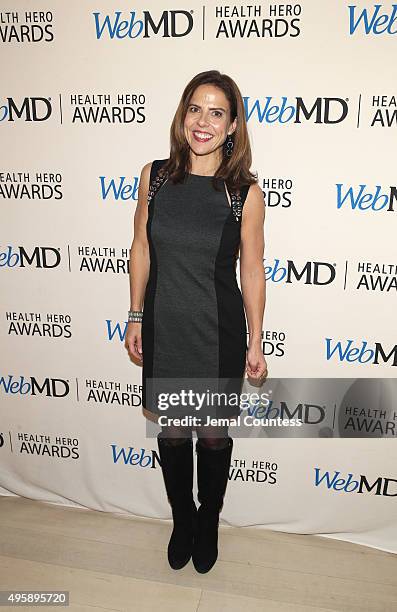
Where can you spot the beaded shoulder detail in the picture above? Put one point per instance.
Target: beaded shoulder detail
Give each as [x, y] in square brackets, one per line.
[235, 195]
[156, 183]
[237, 205]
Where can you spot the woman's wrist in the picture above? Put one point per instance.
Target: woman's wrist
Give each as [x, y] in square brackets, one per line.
[255, 338]
[135, 316]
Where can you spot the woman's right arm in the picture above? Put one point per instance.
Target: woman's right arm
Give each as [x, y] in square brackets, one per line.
[139, 263]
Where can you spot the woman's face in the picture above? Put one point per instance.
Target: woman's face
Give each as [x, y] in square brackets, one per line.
[207, 122]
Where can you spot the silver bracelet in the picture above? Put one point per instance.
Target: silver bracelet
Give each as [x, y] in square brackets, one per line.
[135, 316]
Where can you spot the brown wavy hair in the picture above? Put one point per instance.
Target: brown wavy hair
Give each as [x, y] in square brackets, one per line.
[234, 170]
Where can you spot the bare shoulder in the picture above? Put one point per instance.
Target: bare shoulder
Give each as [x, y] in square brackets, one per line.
[145, 174]
[255, 193]
[254, 207]
[144, 180]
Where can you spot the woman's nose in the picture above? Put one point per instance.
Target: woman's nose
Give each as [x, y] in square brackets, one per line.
[203, 120]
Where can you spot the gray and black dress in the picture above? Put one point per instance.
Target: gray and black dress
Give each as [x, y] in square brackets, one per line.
[193, 323]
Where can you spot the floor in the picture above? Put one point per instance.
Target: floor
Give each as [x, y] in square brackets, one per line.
[113, 562]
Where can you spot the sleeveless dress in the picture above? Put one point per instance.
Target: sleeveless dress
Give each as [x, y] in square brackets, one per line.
[193, 327]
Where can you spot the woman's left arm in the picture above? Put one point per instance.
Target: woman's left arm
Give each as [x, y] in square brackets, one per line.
[252, 277]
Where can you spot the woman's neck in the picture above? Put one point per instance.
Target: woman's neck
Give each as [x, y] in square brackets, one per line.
[203, 169]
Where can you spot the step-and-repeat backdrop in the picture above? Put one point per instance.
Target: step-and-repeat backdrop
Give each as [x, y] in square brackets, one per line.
[88, 94]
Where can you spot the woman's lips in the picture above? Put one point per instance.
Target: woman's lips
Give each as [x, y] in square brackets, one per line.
[198, 139]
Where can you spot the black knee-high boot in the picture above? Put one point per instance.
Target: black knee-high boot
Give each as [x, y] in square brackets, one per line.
[177, 468]
[212, 478]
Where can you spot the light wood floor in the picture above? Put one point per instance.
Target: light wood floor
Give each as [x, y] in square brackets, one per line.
[112, 562]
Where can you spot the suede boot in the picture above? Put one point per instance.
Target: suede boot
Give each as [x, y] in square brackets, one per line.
[177, 468]
[212, 478]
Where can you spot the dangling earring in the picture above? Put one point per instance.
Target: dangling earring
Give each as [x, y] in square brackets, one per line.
[229, 145]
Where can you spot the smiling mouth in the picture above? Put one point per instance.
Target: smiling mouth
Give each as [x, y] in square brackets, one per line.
[202, 136]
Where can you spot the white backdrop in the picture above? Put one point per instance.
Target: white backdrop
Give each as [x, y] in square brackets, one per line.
[89, 92]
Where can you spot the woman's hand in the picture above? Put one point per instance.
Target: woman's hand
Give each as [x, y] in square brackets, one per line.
[256, 366]
[133, 340]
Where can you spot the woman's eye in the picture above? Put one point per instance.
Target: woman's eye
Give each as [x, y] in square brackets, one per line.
[217, 113]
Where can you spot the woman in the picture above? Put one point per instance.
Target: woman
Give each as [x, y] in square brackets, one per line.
[195, 209]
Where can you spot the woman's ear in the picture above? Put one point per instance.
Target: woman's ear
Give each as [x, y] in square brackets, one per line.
[233, 127]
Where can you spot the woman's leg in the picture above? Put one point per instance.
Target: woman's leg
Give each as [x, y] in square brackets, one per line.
[176, 456]
[214, 449]
[175, 435]
[213, 437]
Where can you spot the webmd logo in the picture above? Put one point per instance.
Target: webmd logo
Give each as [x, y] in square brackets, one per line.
[21, 385]
[365, 198]
[359, 484]
[322, 111]
[170, 24]
[119, 189]
[37, 257]
[29, 109]
[309, 273]
[361, 354]
[373, 21]
[133, 456]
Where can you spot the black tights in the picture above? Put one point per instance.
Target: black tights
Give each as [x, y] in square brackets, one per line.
[213, 437]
